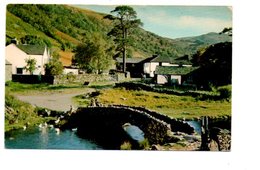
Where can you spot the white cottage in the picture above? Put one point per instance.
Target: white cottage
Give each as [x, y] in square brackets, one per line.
[17, 54]
[174, 75]
[150, 66]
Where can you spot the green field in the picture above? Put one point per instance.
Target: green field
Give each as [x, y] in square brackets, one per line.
[172, 105]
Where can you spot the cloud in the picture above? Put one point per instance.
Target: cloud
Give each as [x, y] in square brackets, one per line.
[201, 23]
[204, 24]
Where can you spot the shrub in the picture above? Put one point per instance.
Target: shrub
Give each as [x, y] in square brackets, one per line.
[126, 146]
[225, 92]
[18, 113]
[54, 66]
[144, 144]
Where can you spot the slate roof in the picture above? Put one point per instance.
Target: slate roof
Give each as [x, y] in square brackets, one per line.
[181, 62]
[172, 60]
[162, 59]
[32, 49]
[130, 60]
[173, 70]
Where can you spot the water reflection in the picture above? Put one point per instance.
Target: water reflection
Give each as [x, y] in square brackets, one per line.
[47, 138]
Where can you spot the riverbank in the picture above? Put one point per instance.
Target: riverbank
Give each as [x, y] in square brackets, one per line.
[23, 101]
[60, 98]
[19, 114]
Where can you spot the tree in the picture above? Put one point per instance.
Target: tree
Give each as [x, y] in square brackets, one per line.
[30, 65]
[35, 40]
[54, 66]
[227, 31]
[124, 22]
[215, 64]
[95, 55]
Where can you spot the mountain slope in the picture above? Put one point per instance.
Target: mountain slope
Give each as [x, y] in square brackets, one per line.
[66, 26]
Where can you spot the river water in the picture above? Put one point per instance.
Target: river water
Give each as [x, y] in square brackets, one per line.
[47, 138]
[196, 125]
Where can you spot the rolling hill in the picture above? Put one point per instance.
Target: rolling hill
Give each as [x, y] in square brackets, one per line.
[64, 27]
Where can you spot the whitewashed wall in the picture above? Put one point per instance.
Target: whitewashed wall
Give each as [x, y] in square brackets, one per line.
[161, 79]
[71, 70]
[17, 57]
[149, 68]
[176, 78]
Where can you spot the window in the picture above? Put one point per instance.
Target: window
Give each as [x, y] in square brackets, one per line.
[19, 70]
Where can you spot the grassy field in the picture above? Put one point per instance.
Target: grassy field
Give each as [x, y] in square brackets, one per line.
[172, 105]
[20, 88]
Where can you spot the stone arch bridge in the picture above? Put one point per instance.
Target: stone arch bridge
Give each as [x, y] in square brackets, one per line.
[105, 123]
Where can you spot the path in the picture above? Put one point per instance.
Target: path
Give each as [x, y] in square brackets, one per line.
[54, 100]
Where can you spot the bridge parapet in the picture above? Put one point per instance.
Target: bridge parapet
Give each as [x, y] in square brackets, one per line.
[106, 122]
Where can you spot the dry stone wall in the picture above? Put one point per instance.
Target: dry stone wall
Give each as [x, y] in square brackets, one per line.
[82, 78]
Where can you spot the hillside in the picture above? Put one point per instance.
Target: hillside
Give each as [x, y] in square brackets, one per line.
[65, 26]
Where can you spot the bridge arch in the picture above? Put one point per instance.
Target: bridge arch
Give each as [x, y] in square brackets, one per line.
[105, 123]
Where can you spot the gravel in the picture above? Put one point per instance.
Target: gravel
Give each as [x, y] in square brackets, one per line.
[56, 100]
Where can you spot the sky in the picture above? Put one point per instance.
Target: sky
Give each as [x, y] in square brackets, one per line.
[177, 21]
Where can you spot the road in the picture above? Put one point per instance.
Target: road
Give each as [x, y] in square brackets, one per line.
[54, 100]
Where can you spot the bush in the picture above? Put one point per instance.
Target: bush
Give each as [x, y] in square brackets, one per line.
[54, 66]
[225, 92]
[126, 146]
[144, 144]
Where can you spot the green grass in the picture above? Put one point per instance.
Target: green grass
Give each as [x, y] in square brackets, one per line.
[172, 105]
[126, 146]
[101, 85]
[14, 23]
[81, 100]
[27, 88]
[19, 114]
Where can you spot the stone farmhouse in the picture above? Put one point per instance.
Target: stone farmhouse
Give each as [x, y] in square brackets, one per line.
[167, 70]
[17, 54]
[164, 70]
[174, 75]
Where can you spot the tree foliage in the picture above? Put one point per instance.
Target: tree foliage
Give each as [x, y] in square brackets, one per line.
[227, 31]
[124, 22]
[64, 24]
[54, 66]
[95, 55]
[35, 40]
[30, 65]
[58, 21]
[215, 64]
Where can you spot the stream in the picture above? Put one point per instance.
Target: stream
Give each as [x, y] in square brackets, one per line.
[47, 138]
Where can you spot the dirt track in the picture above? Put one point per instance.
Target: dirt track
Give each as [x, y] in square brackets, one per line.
[55, 100]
